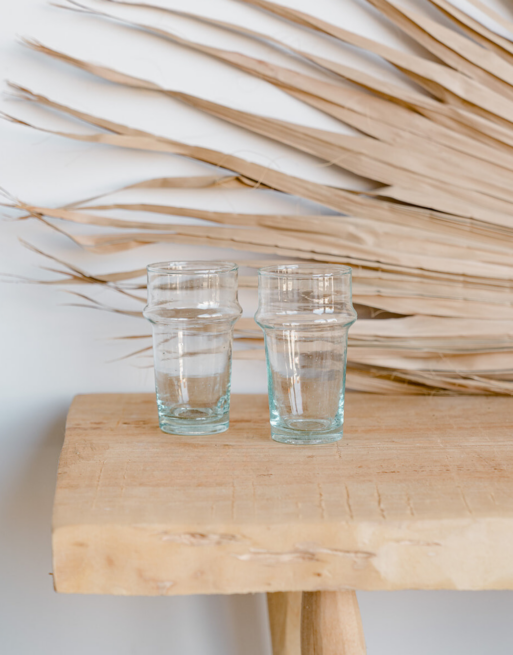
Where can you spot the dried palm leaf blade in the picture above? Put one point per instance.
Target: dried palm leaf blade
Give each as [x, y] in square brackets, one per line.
[430, 245]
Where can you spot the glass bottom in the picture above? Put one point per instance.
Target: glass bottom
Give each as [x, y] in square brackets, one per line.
[192, 421]
[307, 432]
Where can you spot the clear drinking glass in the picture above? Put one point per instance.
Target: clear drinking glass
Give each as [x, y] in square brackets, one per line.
[305, 311]
[193, 307]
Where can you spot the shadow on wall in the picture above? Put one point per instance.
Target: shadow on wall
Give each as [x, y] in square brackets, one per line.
[437, 622]
[33, 618]
[30, 451]
[250, 624]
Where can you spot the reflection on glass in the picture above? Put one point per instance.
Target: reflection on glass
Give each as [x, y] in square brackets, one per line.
[305, 312]
[192, 307]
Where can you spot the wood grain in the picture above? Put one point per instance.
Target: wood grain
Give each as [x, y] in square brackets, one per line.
[418, 494]
[285, 621]
[331, 624]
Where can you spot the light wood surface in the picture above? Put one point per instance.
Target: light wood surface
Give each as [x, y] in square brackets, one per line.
[284, 621]
[418, 494]
[331, 624]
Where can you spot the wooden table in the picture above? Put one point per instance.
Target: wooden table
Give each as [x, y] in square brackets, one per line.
[418, 495]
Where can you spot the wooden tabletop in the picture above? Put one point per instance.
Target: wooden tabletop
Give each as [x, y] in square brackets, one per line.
[417, 495]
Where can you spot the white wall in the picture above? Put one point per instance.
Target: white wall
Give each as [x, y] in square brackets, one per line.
[49, 352]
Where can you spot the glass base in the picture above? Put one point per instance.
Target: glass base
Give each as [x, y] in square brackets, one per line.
[192, 421]
[305, 433]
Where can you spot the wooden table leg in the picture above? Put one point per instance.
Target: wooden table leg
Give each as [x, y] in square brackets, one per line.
[331, 624]
[285, 619]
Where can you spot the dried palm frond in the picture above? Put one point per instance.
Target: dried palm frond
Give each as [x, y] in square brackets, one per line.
[430, 240]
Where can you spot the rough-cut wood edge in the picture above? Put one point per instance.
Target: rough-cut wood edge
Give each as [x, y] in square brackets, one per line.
[123, 558]
[331, 624]
[138, 561]
[284, 621]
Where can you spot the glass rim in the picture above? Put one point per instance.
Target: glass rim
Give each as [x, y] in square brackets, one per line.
[297, 271]
[192, 267]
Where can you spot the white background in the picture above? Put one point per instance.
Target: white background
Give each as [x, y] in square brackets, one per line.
[50, 351]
